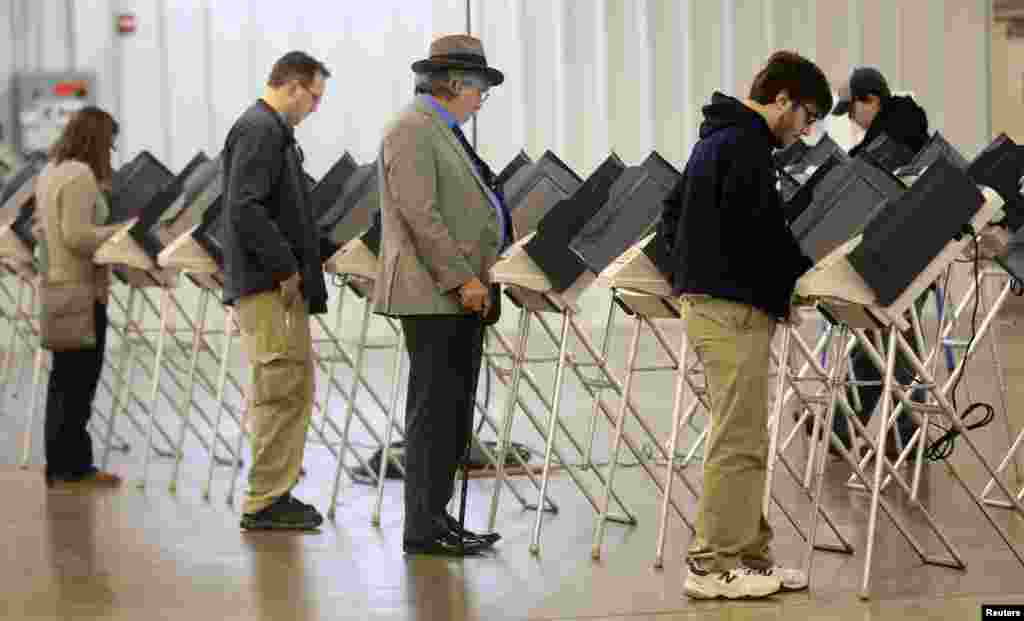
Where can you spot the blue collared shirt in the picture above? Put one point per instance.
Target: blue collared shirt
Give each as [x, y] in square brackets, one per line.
[448, 118]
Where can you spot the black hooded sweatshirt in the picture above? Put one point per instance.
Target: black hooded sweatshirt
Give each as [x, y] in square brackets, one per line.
[723, 232]
[902, 120]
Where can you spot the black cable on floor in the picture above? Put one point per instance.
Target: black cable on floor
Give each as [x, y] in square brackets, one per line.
[943, 447]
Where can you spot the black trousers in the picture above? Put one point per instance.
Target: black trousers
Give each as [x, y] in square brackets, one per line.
[445, 353]
[69, 398]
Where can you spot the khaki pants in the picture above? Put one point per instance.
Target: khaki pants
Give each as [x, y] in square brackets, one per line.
[732, 342]
[278, 343]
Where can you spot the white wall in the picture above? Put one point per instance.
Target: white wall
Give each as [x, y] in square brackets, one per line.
[631, 75]
[193, 66]
[584, 77]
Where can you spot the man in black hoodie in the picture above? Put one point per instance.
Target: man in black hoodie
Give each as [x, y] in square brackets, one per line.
[869, 103]
[730, 256]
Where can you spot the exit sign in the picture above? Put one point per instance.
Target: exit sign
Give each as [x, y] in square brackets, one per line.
[126, 23]
[71, 88]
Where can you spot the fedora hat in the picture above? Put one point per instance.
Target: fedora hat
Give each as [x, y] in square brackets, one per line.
[458, 52]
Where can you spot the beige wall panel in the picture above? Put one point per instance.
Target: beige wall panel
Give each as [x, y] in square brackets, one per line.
[1007, 85]
[881, 38]
[707, 61]
[833, 21]
[964, 105]
[752, 46]
[675, 116]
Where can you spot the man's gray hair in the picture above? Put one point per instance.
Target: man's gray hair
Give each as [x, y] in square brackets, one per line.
[429, 82]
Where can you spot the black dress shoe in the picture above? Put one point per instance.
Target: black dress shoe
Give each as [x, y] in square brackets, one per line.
[445, 544]
[286, 513]
[487, 538]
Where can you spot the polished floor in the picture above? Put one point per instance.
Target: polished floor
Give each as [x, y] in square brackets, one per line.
[149, 554]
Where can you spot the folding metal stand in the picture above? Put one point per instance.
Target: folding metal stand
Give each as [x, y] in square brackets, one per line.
[644, 312]
[134, 337]
[976, 291]
[646, 293]
[216, 390]
[848, 299]
[644, 296]
[355, 266]
[142, 275]
[1007, 459]
[17, 318]
[990, 322]
[505, 376]
[25, 332]
[530, 290]
[185, 255]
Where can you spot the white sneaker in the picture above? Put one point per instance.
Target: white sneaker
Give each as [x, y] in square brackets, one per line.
[792, 579]
[741, 582]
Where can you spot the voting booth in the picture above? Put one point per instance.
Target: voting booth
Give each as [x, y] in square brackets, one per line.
[545, 272]
[918, 236]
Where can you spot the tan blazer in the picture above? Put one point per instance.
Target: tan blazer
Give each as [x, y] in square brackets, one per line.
[66, 196]
[438, 227]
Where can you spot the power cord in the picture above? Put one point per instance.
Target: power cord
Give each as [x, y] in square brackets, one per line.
[943, 447]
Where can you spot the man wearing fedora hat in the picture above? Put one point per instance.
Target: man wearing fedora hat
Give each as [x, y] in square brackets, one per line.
[444, 223]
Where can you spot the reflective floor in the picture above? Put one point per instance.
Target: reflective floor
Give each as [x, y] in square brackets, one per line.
[149, 554]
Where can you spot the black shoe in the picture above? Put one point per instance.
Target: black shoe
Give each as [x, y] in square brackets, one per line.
[286, 513]
[445, 544]
[486, 538]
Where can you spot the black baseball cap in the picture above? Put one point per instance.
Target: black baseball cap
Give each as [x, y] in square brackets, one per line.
[863, 81]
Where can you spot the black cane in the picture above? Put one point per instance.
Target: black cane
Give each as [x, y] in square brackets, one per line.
[467, 451]
[465, 488]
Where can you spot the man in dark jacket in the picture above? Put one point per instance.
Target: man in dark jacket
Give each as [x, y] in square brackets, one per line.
[731, 258]
[274, 277]
[869, 103]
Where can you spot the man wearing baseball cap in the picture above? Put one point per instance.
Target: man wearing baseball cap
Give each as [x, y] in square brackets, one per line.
[869, 103]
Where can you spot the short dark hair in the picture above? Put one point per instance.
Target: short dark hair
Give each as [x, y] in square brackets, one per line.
[296, 66]
[802, 80]
[88, 138]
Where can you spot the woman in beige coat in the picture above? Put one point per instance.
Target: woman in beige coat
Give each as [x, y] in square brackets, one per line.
[70, 203]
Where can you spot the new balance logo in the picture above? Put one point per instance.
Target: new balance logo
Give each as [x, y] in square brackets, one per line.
[728, 577]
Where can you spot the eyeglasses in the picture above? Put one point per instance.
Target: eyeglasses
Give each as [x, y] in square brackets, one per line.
[479, 84]
[811, 117]
[316, 96]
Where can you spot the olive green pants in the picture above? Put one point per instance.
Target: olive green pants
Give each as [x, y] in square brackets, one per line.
[278, 344]
[733, 343]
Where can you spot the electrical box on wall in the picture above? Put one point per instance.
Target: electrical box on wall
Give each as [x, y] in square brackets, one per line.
[43, 103]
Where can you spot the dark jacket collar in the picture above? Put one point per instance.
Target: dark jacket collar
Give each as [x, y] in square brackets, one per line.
[265, 108]
[902, 120]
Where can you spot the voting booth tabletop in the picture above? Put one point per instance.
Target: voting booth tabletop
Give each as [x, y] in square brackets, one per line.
[129, 554]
